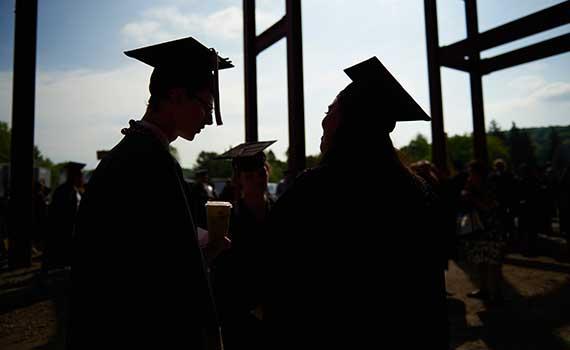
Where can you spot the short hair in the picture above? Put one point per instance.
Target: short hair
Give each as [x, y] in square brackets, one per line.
[164, 79]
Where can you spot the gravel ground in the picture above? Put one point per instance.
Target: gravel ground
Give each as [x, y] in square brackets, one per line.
[535, 315]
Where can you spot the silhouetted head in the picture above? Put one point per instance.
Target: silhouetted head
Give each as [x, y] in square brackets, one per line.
[500, 165]
[365, 112]
[250, 167]
[74, 173]
[184, 83]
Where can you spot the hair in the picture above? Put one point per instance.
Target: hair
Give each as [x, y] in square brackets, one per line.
[164, 79]
[363, 129]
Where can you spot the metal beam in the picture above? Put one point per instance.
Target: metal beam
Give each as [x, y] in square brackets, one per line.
[22, 148]
[438, 149]
[537, 22]
[479, 136]
[455, 62]
[527, 54]
[250, 71]
[272, 35]
[296, 161]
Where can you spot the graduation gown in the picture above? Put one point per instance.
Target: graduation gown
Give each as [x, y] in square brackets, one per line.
[351, 269]
[236, 280]
[139, 279]
[61, 220]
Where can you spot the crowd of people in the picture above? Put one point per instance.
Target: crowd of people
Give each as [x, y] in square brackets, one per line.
[492, 211]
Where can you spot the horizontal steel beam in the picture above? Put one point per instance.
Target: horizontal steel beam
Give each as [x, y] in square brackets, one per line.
[272, 35]
[527, 54]
[537, 22]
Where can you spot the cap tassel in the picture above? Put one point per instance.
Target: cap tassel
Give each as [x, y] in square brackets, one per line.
[216, 89]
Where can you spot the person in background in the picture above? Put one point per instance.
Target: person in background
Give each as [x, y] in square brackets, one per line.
[285, 182]
[62, 215]
[236, 271]
[486, 249]
[200, 193]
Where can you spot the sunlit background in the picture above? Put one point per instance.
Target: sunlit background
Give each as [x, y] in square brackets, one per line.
[87, 89]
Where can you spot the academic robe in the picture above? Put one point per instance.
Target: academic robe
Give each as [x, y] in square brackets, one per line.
[139, 278]
[61, 225]
[236, 280]
[354, 269]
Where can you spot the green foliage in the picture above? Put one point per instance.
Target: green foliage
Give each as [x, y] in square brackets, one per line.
[460, 150]
[418, 149]
[522, 149]
[313, 161]
[217, 168]
[5, 146]
[5, 140]
[497, 148]
[277, 167]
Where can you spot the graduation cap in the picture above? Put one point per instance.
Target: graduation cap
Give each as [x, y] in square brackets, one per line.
[248, 156]
[74, 166]
[72, 169]
[371, 81]
[182, 61]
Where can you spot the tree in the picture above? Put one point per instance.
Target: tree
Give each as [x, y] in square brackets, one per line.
[460, 149]
[216, 167]
[313, 161]
[495, 130]
[5, 148]
[277, 167]
[522, 149]
[5, 141]
[554, 145]
[418, 149]
[497, 148]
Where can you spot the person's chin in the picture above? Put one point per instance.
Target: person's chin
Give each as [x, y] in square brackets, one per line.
[188, 137]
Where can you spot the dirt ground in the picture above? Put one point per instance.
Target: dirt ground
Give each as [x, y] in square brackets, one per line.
[535, 315]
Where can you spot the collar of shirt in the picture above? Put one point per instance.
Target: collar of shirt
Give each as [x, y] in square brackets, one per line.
[156, 132]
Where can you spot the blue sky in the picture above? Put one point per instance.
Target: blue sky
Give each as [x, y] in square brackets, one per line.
[87, 89]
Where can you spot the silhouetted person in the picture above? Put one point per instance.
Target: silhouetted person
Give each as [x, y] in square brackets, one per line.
[502, 184]
[236, 271]
[347, 270]
[200, 193]
[62, 213]
[285, 182]
[528, 208]
[41, 223]
[447, 195]
[486, 248]
[564, 206]
[230, 193]
[140, 280]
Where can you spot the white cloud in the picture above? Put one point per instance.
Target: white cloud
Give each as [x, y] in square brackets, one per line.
[141, 32]
[226, 23]
[532, 91]
[81, 111]
[169, 22]
[557, 91]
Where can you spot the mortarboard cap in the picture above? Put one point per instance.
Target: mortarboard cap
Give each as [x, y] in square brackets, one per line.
[374, 80]
[74, 166]
[180, 61]
[248, 156]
